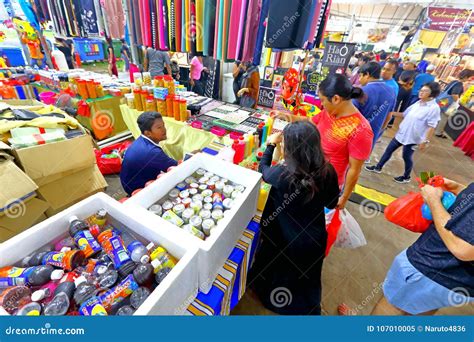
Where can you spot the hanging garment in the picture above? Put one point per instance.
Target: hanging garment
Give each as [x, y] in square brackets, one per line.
[100, 19]
[243, 25]
[154, 23]
[322, 25]
[200, 25]
[192, 25]
[234, 26]
[166, 25]
[187, 26]
[115, 18]
[134, 5]
[287, 27]
[257, 55]
[161, 25]
[209, 27]
[315, 22]
[171, 25]
[312, 12]
[75, 20]
[54, 16]
[225, 28]
[178, 24]
[253, 17]
[219, 29]
[89, 18]
[183, 26]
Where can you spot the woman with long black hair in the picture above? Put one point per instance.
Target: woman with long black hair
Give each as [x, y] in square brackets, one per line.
[287, 271]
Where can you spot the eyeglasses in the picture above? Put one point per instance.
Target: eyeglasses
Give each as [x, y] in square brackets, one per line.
[425, 91]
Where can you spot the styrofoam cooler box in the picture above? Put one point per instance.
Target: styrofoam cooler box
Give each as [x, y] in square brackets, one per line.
[213, 251]
[171, 297]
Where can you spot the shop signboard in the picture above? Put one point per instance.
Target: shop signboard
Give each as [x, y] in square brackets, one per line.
[447, 19]
[337, 55]
[266, 97]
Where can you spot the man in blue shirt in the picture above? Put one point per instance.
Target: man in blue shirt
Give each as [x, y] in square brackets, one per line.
[144, 159]
[389, 70]
[379, 99]
[421, 80]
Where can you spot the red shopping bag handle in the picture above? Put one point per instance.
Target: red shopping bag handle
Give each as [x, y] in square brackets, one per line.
[333, 229]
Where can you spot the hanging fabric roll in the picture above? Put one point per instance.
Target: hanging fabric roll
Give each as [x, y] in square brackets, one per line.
[178, 24]
[134, 14]
[89, 18]
[323, 22]
[200, 25]
[312, 15]
[209, 27]
[187, 26]
[219, 30]
[183, 28]
[161, 27]
[257, 55]
[115, 18]
[100, 19]
[225, 28]
[293, 17]
[166, 25]
[253, 17]
[192, 25]
[172, 25]
[315, 23]
[234, 27]
[243, 25]
[154, 23]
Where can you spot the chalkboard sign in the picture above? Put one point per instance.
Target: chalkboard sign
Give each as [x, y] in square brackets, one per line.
[311, 80]
[337, 55]
[266, 97]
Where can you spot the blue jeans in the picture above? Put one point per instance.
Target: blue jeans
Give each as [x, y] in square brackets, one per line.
[408, 151]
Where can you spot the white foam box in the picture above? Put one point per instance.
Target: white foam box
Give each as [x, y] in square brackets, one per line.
[213, 251]
[171, 297]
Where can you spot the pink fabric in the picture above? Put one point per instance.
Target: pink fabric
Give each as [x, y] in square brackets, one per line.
[216, 29]
[161, 32]
[253, 17]
[196, 74]
[115, 19]
[466, 141]
[243, 9]
[234, 29]
[314, 23]
[145, 22]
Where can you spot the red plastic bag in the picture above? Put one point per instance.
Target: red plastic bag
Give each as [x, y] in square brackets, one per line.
[108, 166]
[333, 228]
[406, 212]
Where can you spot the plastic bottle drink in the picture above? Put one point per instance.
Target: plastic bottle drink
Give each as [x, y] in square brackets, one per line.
[66, 242]
[79, 230]
[67, 287]
[114, 247]
[15, 297]
[135, 248]
[46, 292]
[30, 309]
[161, 274]
[92, 307]
[34, 276]
[58, 306]
[164, 258]
[125, 310]
[139, 296]
[37, 258]
[108, 279]
[66, 260]
[84, 290]
[100, 218]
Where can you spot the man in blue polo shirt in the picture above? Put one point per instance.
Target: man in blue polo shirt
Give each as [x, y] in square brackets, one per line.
[144, 159]
[389, 69]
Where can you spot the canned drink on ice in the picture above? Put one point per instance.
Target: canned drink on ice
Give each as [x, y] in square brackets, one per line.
[217, 204]
[187, 202]
[200, 172]
[207, 225]
[211, 185]
[190, 180]
[216, 196]
[196, 206]
[227, 203]
[215, 179]
[178, 209]
[181, 186]
[207, 199]
[228, 189]
[194, 231]
[167, 205]
[198, 198]
[203, 180]
[205, 214]
[176, 200]
[184, 194]
[217, 214]
[156, 209]
[208, 174]
[236, 194]
[202, 187]
[187, 214]
[173, 193]
[194, 185]
[192, 191]
[171, 217]
[207, 206]
[240, 188]
[195, 221]
[219, 186]
[206, 193]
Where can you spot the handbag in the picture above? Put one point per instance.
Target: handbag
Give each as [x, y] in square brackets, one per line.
[445, 100]
[247, 101]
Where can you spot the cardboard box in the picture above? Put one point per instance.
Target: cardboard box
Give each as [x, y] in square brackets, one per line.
[21, 103]
[21, 217]
[171, 297]
[15, 186]
[50, 162]
[215, 250]
[68, 190]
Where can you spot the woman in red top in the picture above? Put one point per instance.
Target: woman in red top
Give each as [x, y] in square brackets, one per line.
[113, 71]
[346, 135]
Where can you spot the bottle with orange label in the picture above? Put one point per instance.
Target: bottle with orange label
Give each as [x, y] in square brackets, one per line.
[67, 260]
[86, 242]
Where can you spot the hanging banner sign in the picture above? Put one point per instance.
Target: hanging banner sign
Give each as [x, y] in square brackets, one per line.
[337, 55]
[446, 19]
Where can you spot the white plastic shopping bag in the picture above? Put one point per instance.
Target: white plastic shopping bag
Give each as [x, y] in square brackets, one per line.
[350, 234]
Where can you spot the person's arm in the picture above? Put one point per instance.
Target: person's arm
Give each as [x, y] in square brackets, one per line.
[277, 114]
[160, 161]
[145, 61]
[461, 249]
[254, 85]
[352, 176]
[265, 167]
[429, 135]
[168, 63]
[387, 120]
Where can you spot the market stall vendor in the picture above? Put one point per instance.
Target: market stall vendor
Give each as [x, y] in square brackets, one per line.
[144, 159]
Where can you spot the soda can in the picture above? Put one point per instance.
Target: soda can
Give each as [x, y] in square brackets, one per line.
[187, 214]
[202, 187]
[205, 214]
[167, 205]
[219, 186]
[207, 199]
[186, 201]
[190, 180]
[203, 180]
[171, 217]
[216, 196]
[208, 174]
[236, 194]
[207, 206]
[193, 191]
[217, 205]
[217, 214]
[227, 203]
[200, 172]
[181, 186]
[178, 209]
[194, 231]
[240, 188]
[173, 193]
[228, 189]
[197, 198]
[184, 194]
[194, 185]
[215, 178]
[207, 225]
[196, 206]
[176, 200]
[156, 209]
[195, 221]
[206, 193]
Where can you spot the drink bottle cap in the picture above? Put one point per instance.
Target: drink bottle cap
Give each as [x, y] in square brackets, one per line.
[145, 259]
[155, 263]
[38, 295]
[150, 246]
[73, 218]
[65, 249]
[80, 280]
[57, 274]
[101, 269]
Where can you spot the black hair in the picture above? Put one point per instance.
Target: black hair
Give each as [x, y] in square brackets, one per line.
[146, 119]
[407, 76]
[306, 166]
[392, 61]
[365, 59]
[383, 55]
[372, 69]
[123, 40]
[466, 73]
[338, 84]
[434, 88]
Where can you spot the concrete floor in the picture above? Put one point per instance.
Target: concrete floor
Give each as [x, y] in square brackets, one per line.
[355, 276]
